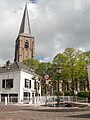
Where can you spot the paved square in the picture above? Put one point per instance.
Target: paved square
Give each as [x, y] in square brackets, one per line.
[13, 112]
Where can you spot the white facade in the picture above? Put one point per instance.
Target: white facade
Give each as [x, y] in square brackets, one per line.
[19, 90]
[88, 69]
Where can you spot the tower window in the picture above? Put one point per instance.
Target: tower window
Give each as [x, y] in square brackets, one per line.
[26, 44]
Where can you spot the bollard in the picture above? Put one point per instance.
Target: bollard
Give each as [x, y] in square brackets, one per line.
[5, 100]
[54, 102]
[35, 101]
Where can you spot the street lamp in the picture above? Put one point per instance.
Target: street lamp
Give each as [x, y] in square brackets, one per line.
[58, 70]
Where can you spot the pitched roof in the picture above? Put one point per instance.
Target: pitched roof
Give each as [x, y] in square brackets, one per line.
[25, 24]
[16, 66]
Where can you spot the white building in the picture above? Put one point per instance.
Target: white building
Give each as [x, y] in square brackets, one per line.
[17, 83]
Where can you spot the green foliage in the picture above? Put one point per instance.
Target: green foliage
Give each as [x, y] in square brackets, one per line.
[68, 93]
[83, 106]
[87, 56]
[41, 68]
[74, 64]
[44, 68]
[84, 94]
[56, 93]
[31, 63]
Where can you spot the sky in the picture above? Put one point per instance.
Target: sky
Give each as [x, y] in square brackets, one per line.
[56, 25]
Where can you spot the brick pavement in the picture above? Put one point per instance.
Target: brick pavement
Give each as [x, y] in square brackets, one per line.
[13, 112]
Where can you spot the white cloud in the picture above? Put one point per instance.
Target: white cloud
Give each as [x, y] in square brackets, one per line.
[44, 59]
[56, 24]
[78, 4]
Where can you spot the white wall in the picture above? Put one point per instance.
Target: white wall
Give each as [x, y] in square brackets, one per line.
[18, 83]
[24, 75]
[10, 75]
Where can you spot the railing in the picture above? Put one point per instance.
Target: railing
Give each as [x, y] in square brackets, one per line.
[42, 100]
[52, 100]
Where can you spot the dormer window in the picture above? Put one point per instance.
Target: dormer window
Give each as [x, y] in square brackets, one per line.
[26, 44]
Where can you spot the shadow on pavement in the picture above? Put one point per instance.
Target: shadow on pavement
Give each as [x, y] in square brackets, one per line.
[57, 110]
[81, 116]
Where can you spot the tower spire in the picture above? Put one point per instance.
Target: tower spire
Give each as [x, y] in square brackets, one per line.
[25, 24]
[25, 42]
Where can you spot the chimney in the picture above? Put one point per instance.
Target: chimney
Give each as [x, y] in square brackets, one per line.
[8, 63]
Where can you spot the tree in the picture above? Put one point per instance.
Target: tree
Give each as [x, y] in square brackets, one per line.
[73, 65]
[32, 63]
[66, 61]
[87, 56]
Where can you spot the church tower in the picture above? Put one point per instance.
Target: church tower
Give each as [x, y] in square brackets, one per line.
[25, 43]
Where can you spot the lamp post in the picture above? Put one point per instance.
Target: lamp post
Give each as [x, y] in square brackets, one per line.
[58, 70]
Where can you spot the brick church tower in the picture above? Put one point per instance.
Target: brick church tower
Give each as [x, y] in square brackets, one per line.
[25, 43]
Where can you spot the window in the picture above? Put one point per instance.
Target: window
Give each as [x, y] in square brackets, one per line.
[30, 83]
[3, 83]
[7, 83]
[26, 97]
[26, 44]
[27, 83]
[25, 94]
